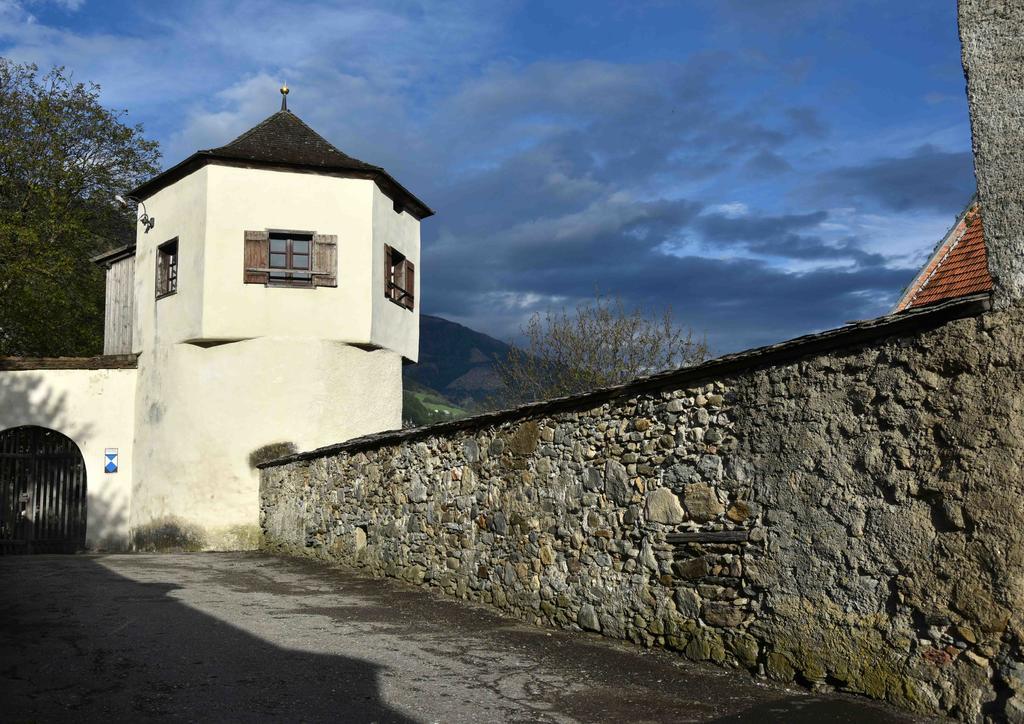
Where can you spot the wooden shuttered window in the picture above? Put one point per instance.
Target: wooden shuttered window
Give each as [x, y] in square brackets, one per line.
[167, 268]
[292, 264]
[399, 278]
[325, 260]
[257, 257]
[410, 285]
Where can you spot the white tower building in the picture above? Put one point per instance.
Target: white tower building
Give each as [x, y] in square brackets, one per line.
[272, 303]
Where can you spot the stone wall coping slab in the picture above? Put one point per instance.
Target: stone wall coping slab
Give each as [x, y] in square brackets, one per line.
[782, 352]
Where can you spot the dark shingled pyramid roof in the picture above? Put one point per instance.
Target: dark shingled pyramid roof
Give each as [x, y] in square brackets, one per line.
[285, 138]
[284, 141]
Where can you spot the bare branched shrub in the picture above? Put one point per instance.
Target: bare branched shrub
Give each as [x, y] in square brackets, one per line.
[600, 343]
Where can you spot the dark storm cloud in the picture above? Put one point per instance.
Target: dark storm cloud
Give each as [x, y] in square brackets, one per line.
[616, 245]
[594, 244]
[731, 229]
[784, 236]
[929, 178]
[738, 303]
[613, 122]
[742, 302]
[571, 190]
[552, 139]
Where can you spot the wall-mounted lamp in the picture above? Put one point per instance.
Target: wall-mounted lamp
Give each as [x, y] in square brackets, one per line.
[147, 221]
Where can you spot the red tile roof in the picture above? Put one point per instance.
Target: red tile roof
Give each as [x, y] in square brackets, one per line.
[958, 267]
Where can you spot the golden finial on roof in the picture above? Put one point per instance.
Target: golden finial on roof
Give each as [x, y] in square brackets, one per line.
[284, 97]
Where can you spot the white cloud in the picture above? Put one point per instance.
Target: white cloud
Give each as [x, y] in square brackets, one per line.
[905, 238]
[69, 5]
[550, 172]
[197, 68]
[731, 210]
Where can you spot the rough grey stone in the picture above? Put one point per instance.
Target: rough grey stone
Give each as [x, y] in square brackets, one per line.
[499, 524]
[702, 502]
[710, 467]
[722, 614]
[647, 557]
[741, 511]
[688, 603]
[681, 474]
[1015, 710]
[662, 506]
[616, 482]
[587, 618]
[692, 568]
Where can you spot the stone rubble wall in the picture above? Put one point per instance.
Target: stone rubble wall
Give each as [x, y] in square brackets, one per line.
[992, 50]
[851, 519]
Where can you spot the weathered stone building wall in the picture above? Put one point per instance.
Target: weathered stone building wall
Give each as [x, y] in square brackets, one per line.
[844, 511]
[992, 50]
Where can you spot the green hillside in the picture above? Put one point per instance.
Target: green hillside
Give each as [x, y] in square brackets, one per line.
[424, 406]
[456, 364]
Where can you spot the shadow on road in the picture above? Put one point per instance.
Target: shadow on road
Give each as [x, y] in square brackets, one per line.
[115, 649]
[251, 637]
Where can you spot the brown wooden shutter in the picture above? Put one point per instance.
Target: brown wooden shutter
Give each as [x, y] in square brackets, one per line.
[257, 256]
[410, 284]
[387, 271]
[325, 260]
[161, 273]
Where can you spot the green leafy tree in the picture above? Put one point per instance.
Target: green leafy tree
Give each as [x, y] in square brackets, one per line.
[599, 344]
[63, 157]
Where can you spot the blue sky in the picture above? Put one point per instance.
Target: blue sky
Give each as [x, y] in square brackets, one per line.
[766, 167]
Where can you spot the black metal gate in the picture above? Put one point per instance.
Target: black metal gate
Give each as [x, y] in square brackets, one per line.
[42, 492]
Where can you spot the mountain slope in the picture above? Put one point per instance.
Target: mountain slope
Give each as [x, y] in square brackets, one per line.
[456, 361]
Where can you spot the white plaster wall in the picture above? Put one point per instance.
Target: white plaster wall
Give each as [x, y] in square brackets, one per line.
[95, 409]
[202, 411]
[281, 369]
[180, 211]
[241, 199]
[395, 327]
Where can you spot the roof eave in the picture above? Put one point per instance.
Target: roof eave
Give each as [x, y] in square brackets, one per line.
[418, 209]
[114, 255]
[165, 178]
[386, 181]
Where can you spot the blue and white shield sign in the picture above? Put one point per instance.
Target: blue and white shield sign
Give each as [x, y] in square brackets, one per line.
[110, 460]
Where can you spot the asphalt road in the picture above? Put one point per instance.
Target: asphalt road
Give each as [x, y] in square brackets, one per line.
[248, 637]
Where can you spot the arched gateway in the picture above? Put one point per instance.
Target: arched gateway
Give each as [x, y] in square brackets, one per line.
[42, 492]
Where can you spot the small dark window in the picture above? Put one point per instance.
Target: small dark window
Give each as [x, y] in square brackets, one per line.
[399, 278]
[290, 256]
[167, 268]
